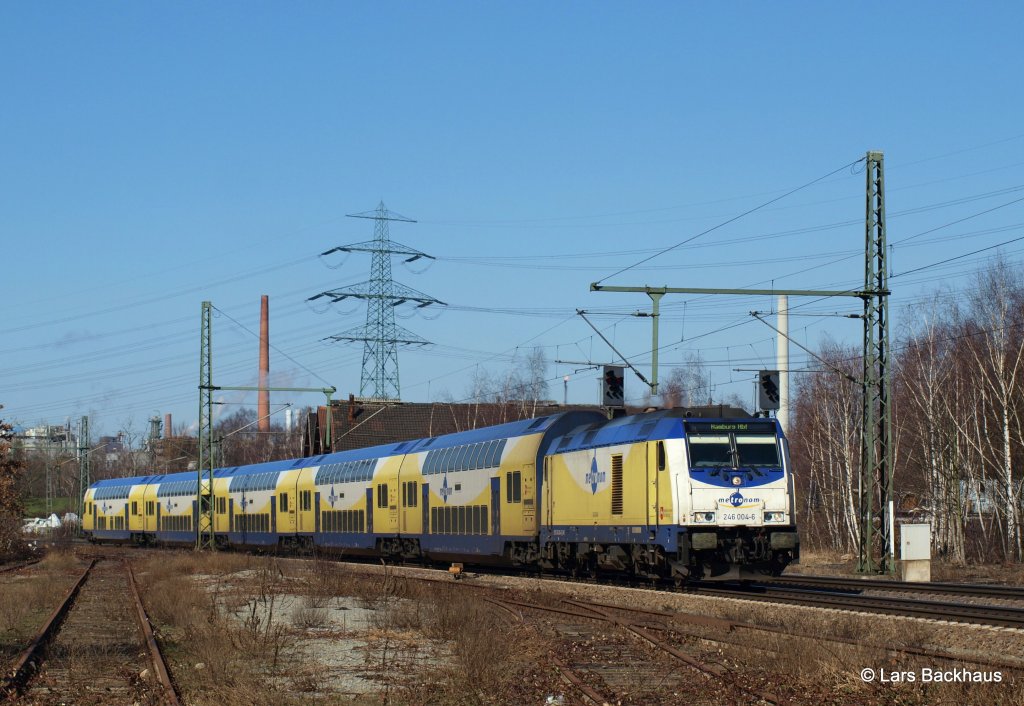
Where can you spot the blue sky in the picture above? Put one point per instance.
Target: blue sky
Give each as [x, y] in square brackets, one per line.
[156, 155]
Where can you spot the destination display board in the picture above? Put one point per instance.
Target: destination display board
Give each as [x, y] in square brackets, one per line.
[723, 427]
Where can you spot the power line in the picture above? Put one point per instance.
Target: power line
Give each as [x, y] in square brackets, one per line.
[733, 219]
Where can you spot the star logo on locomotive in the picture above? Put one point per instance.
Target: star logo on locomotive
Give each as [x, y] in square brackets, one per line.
[594, 477]
[332, 497]
[106, 508]
[170, 505]
[736, 499]
[445, 491]
[244, 502]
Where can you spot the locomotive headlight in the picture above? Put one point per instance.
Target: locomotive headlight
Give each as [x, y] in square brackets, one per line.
[774, 517]
[703, 517]
[736, 480]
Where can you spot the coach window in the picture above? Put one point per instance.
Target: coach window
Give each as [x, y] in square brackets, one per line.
[283, 502]
[513, 487]
[135, 507]
[661, 455]
[382, 495]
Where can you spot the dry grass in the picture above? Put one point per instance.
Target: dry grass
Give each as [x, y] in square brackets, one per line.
[811, 669]
[27, 600]
[215, 656]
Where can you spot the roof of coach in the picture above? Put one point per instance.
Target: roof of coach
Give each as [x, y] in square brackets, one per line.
[650, 426]
[115, 482]
[524, 427]
[510, 430]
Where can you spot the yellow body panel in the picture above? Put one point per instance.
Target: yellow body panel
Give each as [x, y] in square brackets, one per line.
[88, 521]
[221, 518]
[137, 508]
[582, 487]
[386, 495]
[287, 499]
[301, 482]
[518, 509]
[410, 495]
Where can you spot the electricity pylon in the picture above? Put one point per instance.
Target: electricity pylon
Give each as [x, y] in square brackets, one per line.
[380, 334]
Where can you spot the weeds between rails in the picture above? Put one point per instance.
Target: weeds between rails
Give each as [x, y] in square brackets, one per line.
[259, 626]
[253, 595]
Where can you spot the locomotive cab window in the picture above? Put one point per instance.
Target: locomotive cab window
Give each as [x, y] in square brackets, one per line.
[661, 455]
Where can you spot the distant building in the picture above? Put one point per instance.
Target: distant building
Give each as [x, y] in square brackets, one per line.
[110, 446]
[47, 438]
[356, 423]
[978, 498]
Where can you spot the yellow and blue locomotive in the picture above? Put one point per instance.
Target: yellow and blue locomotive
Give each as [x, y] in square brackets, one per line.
[671, 495]
[662, 495]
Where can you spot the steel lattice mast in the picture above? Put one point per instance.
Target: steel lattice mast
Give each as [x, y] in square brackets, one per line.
[876, 550]
[205, 538]
[84, 480]
[380, 334]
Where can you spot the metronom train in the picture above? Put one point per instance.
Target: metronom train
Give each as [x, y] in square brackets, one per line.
[672, 494]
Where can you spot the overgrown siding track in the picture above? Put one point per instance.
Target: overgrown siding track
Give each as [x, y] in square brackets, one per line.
[18, 565]
[93, 649]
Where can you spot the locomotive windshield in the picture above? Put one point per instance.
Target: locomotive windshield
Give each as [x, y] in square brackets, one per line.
[733, 450]
[757, 450]
[708, 451]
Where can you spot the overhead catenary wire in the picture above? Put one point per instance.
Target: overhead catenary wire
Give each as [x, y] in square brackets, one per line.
[733, 219]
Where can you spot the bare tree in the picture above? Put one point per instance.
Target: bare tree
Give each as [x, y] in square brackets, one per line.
[11, 505]
[825, 444]
[688, 384]
[997, 349]
[931, 401]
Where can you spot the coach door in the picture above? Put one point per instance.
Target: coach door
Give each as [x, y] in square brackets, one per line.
[655, 469]
[546, 485]
[529, 499]
[386, 499]
[411, 521]
[304, 511]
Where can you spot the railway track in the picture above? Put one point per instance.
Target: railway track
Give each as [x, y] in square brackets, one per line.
[18, 565]
[998, 616]
[95, 648]
[735, 632]
[844, 584]
[617, 665]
